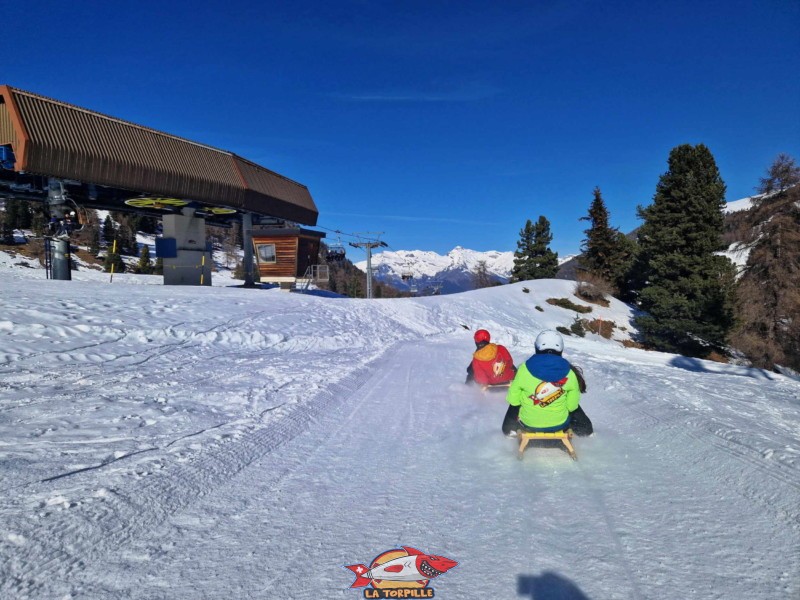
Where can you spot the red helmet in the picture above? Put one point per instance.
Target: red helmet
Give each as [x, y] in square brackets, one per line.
[482, 336]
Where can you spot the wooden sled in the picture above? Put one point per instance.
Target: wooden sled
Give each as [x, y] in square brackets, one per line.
[564, 436]
[495, 385]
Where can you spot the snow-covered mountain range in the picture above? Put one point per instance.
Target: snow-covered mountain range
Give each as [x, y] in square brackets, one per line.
[430, 271]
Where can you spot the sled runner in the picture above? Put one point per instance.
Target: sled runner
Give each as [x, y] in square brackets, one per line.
[564, 436]
[486, 386]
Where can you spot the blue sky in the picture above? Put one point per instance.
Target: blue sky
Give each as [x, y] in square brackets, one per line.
[440, 124]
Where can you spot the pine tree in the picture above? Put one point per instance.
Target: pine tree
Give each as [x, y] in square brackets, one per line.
[6, 231]
[606, 251]
[332, 285]
[685, 288]
[114, 259]
[26, 215]
[38, 223]
[93, 235]
[18, 214]
[533, 258]
[144, 265]
[10, 218]
[355, 287]
[768, 294]
[139, 222]
[109, 231]
[127, 240]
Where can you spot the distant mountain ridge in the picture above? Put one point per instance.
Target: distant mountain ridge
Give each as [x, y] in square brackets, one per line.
[451, 273]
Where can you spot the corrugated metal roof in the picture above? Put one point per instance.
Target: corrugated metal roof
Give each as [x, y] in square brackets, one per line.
[56, 139]
[11, 129]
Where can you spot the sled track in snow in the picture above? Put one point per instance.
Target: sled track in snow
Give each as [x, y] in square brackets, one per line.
[55, 549]
[773, 472]
[735, 449]
[622, 553]
[741, 453]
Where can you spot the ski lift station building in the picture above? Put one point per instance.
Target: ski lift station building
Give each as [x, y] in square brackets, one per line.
[285, 255]
[70, 157]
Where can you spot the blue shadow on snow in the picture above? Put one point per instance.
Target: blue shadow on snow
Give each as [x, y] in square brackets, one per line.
[548, 586]
[707, 366]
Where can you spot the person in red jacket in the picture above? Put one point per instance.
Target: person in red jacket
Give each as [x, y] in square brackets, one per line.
[491, 363]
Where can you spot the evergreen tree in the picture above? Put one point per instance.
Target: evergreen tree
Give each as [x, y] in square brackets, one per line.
[25, 215]
[332, 285]
[114, 259]
[18, 214]
[149, 225]
[11, 217]
[126, 241]
[144, 265]
[38, 223]
[129, 225]
[6, 231]
[355, 287]
[109, 231]
[143, 223]
[533, 258]
[606, 252]
[93, 236]
[685, 288]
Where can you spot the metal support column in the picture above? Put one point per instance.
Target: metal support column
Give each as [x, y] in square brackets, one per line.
[368, 246]
[247, 243]
[61, 260]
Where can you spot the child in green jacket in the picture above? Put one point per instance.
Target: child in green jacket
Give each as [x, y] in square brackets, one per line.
[546, 392]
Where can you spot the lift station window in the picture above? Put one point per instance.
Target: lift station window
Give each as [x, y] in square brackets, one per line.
[266, 253]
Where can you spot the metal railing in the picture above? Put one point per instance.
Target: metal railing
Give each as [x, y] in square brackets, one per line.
[314, 274]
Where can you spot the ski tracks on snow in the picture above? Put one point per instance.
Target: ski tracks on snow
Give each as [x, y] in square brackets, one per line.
[676, 427]
[57, 542]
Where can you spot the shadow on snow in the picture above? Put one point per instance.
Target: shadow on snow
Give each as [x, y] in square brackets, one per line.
[548, 586]
[706, 366]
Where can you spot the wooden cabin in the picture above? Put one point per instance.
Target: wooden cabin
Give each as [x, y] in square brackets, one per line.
[286, 255]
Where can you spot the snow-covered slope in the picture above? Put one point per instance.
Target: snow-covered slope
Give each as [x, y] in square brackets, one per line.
[739, 205]
[739, 251]
[184, 442]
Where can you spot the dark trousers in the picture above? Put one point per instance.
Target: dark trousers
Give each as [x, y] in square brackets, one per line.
[579, 422]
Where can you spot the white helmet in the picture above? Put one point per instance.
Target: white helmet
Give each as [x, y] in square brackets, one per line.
[549, 340]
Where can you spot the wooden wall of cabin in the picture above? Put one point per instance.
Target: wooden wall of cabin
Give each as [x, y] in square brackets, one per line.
[285, 264]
